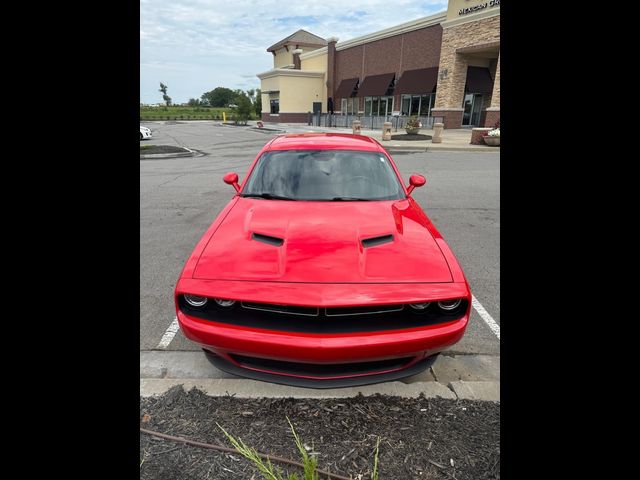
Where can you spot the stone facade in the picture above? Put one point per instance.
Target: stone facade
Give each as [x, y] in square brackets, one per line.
[495, 95]
[453, 68]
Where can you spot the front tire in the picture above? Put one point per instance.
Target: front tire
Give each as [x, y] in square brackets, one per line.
[141, 137]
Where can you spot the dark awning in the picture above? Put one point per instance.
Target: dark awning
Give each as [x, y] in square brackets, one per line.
[422, 80]
[479, 80]
[346, 87]
[376, 85]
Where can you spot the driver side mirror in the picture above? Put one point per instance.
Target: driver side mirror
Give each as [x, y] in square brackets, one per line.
[231, 178]
[415, 181]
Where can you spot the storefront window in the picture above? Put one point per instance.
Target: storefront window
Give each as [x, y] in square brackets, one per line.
[424, 105]
[350, 106]
[355, 105]
[406, 104]
[275, 105]
[378, 106]
[419, 105]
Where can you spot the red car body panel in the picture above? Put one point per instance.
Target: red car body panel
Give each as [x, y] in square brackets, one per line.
[322, 263]
[324, 294]
[323, 243]
[325, 348]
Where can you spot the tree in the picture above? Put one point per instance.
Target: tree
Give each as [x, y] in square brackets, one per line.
[257, 104]
[194, 102]
[244, 108]
[165, 97]
[219, 97]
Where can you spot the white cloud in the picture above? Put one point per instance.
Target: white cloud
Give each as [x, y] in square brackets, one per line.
[196, 45]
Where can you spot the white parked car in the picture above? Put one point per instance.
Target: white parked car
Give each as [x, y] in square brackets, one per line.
[144, 133]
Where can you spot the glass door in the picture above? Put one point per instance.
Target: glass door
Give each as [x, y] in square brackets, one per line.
[475, 111]
[472, 106]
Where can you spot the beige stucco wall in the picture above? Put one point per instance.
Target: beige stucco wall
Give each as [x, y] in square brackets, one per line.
[272, 83]
[297, 94]
[453, 11]
[282, 58]
[318, 63]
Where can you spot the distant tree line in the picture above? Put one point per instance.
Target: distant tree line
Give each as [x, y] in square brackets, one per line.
[245, 101]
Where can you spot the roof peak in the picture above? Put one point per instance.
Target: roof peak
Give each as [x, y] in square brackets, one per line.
[301, 37]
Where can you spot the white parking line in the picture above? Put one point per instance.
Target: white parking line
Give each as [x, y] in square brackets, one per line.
[169, 333]
[495, 328]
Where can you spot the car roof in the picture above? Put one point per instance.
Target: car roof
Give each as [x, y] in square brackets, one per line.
[324, 141]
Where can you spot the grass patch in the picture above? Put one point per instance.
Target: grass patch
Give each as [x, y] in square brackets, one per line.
[309, 462]
[145, 147]
[185, 113]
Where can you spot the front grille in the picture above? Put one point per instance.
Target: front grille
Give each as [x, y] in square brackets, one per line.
[325, 321]
[321, 370]
[288, 309]
[348, 311]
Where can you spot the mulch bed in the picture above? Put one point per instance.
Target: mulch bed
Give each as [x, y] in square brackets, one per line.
[420, 438]
[405, 136]
[162, 149]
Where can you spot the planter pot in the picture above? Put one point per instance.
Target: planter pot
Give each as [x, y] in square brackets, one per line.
[412, 131]
[492, 141]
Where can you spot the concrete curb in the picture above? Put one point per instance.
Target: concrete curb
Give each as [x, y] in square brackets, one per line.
[243, 388]
[487, 391]
[190, 153]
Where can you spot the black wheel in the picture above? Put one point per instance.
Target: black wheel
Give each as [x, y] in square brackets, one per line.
[141, 136]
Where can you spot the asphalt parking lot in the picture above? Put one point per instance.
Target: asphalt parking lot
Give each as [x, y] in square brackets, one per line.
[180, 197]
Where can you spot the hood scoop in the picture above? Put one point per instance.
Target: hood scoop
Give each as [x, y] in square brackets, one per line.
[374, 241]
[275, 241]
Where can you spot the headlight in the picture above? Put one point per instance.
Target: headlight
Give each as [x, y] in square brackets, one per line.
[449, 305]
[196, 301]
[224, 303]
[419, 306]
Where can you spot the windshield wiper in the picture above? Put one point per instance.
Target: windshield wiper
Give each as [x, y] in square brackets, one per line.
[350, 199]
[269, 196]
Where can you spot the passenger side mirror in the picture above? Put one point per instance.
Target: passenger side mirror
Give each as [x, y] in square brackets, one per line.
[415, 181]
[231, 178]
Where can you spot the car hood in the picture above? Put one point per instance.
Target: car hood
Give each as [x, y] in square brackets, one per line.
[333, 242]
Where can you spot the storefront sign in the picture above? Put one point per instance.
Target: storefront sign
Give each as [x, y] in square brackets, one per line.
[475, 8]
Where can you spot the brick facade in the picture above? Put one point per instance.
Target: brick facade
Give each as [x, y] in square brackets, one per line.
[492, 118]
[407, 51]
[451, 118]
[451, 49]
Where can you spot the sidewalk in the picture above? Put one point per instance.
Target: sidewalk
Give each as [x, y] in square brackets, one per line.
[456, 140]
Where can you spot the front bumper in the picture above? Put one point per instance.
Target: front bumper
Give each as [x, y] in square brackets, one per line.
[322, 359]
[228, 365]
[325, 348]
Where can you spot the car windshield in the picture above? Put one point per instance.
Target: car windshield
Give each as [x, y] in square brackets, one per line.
[324, 175]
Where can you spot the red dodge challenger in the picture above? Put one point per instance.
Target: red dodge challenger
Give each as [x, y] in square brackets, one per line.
[323, 271]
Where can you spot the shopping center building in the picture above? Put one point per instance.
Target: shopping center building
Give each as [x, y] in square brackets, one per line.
[444, 67]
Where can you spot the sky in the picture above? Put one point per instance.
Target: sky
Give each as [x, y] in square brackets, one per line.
[194, 46]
